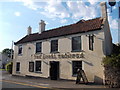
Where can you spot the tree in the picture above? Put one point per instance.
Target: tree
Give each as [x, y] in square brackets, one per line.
[112, 68]
[8, 52]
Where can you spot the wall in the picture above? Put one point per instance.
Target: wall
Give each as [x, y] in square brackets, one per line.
[108, 38]
[91, 63]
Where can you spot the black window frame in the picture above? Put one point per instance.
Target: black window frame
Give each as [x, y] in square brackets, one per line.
[37, 67]
[91, 42]
[20, 49]
[78, 44]
[38, 47]
[75, 66]
[17, 66]
[31, 69]
[54, 46]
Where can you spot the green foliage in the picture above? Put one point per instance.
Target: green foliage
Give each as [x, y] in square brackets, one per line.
[114, 59]
[9, 67]
[7, 52]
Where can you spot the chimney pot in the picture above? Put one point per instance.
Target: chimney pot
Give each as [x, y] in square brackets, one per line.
[103, 9]
[41, 26]
[29, 30]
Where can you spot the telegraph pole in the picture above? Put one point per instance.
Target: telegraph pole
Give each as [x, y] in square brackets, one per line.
[119, 22]
[12, 51]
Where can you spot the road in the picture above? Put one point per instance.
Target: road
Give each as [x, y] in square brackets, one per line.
[5, 84]
[9, 81]
[13, 84]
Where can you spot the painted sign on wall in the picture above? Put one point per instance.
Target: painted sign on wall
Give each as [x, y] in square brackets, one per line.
[59, 56]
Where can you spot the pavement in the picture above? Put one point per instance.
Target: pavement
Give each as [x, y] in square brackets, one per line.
[45, 83]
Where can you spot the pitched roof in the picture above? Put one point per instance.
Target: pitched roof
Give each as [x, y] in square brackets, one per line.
[79, 27]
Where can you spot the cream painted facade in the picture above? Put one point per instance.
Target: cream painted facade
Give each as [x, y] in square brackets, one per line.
[91, 60]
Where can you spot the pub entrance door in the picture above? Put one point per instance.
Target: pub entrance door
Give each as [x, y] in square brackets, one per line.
[54, 70]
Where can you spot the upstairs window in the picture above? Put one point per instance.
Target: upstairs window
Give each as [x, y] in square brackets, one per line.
[31, 66]
[18, 66]
[38, 47]
[20, 49]
[75, 66]
[76, 43]
[91, 41]
[38, 66]
[54, 46]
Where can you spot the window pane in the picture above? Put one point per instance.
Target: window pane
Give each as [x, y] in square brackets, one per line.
[76, 43]
[76, 65]
[91, 41]
[31, 66]
[38, 47]
[38, 65]
[18, 66]
[54, 45]
[20, 49]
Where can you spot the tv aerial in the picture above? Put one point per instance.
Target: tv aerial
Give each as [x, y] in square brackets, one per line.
[112, 3]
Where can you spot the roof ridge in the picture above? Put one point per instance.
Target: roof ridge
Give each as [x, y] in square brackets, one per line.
[88, 25]
[67, 25]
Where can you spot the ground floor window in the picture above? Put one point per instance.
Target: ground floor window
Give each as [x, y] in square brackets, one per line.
[18, 66]
[75, 66]
[31, 66]
[38, 66]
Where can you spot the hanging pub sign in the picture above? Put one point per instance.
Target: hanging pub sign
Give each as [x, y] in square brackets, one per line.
[59, 56]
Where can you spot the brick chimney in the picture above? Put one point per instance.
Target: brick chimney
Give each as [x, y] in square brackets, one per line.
[41, 26]
[103, 10]
[29, 30]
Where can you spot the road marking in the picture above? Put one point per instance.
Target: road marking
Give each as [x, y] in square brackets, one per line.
[43, 84]
[22, 83]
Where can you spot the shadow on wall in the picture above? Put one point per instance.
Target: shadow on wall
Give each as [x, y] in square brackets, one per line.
[88, 63]
[98, 80]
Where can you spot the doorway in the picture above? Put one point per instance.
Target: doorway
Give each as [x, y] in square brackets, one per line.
[54, 70]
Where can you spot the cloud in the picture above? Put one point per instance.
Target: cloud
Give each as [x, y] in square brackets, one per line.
[113, 22]
[17, 13]
[62, 10]
[93, 1]
[63, 21]
[80, 10]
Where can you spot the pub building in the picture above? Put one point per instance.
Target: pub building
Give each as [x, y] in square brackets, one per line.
[59, 52]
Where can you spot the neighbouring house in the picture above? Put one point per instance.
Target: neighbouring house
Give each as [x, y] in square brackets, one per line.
[59, 52]
[4, 59]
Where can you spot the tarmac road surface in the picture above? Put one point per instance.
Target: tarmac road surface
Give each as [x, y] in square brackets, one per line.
[9, 81]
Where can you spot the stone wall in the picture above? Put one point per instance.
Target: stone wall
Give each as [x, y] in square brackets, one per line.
[112, 76]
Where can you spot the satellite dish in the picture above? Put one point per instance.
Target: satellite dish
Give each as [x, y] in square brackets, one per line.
[112, 2]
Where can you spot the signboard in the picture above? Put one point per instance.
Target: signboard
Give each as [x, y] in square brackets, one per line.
[59, 56]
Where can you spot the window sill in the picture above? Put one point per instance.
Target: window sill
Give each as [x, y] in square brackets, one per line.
[38, 53]
[20, 54]
[77, 51]
[55, 52]
[74, 75]
[18, 72]
[38, 72]
[90, 50]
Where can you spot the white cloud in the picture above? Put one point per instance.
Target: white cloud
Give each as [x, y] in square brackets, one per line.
[80, 10]
[114, 7]
[63, 21]
[93, 1]
[17, 13]
[113, 22]
[56, 9]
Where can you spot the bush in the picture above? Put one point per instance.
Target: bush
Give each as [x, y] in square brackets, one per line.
[9, 67]
[113, 61]
[112, 68]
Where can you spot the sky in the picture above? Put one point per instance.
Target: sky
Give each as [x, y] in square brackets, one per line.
[17, 15]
